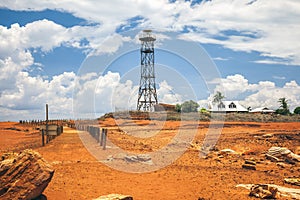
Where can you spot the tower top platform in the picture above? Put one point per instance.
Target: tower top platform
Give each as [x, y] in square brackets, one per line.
[147, 36]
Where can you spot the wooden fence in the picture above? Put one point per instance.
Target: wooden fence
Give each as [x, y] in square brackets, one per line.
[99, 134]
[50, 129]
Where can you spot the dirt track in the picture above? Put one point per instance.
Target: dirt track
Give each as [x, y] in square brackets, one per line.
[78, 175]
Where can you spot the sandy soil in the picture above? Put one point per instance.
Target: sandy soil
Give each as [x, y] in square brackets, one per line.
[16, 137]
[79, 175]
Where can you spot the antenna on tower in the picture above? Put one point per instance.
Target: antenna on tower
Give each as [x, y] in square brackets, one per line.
[147, 96]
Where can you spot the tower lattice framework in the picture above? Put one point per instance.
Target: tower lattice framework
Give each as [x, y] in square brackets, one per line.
[147, 96]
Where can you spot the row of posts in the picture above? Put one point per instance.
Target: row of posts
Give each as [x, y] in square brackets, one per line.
[42, 122]
[99, 134]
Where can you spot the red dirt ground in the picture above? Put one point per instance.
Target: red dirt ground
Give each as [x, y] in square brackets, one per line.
[78, 175]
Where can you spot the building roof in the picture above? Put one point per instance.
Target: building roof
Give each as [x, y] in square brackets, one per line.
[227, 106]
[262, 110]
[164, 107]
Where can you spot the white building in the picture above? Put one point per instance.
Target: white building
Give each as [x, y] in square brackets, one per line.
[227, 106]
[263, 110]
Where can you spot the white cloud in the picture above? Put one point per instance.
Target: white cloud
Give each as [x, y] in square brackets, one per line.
[42, 34]
[45, 35]
[263, 26]
[279, 77]
[220, 58]
[233, 85]
[106, 93]
[273, 62]
[166, 94]
[272, 30]
[33, 92]
[263, 93]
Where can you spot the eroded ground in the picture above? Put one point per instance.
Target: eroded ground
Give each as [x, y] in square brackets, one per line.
[79, 175]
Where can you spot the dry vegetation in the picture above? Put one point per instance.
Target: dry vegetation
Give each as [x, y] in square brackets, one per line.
[175, 116]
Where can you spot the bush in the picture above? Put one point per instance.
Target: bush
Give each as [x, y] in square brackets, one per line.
[282, 111]
[189, 106]
[203, 110]
[178, 108]
[297, 111]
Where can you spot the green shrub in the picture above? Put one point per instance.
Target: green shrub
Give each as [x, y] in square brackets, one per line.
[297, 111]
[189, 106]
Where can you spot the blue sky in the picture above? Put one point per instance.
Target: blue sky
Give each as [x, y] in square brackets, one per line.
[51, 49]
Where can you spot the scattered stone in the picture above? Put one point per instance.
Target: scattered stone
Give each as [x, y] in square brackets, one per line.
[144, 157]
[263, 191]
[272, 158]
[130, 158]
[294, 157]
[227, 151]
[115, 197]
[267, 135]
[282, 165]
[278, 154]
[293, 181]
[247, 166]
[289, 161]
[278, 151]
[250, 162]
[281, 191]
[24, 175]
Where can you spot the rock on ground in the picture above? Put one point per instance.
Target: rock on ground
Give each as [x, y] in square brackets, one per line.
[24, 175]
[115, 197]
[277, 154]
[293, 181]
[265, 189]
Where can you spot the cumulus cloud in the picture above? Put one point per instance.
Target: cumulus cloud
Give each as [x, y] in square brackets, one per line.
[166, 94]
[32, 93]
[45, 35]
[271, 31]
[261, 94]
[106, 93]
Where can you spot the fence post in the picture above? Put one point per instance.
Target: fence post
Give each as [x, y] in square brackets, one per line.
[43, 138]
[47, 135]
[97, 134]
[104, 139]
[94, 132]
[101, 137]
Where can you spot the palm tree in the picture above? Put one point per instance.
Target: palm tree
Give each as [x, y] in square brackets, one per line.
[283, 108]
[218, 99]
[283, 103]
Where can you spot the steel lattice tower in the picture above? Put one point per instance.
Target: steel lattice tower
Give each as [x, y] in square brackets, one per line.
[147, 96]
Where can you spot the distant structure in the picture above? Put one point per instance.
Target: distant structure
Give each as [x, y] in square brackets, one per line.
[227, 106]
[262, 110]
[147, 96]
[164, 107]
